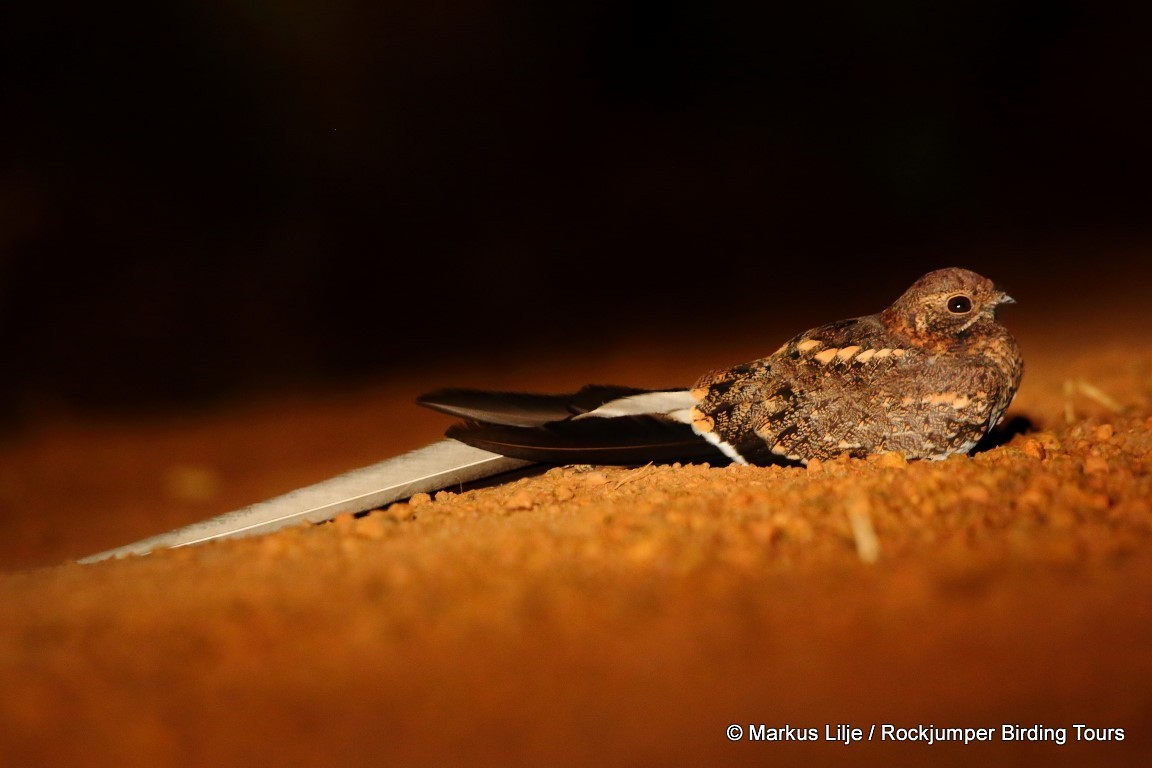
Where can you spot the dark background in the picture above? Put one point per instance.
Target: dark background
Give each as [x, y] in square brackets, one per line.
[204, 200]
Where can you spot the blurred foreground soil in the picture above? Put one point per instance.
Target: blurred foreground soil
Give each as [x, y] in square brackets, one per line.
[587, 616]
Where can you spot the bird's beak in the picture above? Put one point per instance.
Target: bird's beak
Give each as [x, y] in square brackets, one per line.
[1005, 299]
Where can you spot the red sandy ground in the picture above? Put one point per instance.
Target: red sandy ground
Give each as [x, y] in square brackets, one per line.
[585, 617]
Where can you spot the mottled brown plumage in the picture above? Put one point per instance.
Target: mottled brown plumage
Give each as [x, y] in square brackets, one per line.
[926, 377]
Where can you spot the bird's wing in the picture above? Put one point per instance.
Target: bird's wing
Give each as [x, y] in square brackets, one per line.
[624, 440]
[521, 409]
[597, 425]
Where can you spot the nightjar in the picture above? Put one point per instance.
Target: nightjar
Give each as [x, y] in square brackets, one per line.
[927, 377]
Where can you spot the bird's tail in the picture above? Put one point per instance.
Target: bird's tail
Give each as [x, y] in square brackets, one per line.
[597, 425]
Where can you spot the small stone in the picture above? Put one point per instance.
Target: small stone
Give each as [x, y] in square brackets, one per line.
[1095, 465]
[1033, 448]
[519, 500]
[419, 500]
[976, 493]
[1098, 501]
[594, 478]
[891, 460]
[764, 531]
[1104, 433]
[643, 550]
[399, 511]
[1048, 440]
[371, 527]
[1032, 498]
[815, 467]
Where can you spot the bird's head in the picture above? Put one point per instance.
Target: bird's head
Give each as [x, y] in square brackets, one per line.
[944, 307]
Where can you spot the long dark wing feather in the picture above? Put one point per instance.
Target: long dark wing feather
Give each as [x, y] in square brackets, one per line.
[521, 409]
[627, 440]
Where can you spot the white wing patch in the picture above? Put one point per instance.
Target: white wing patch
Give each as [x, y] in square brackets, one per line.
[724, 447]
[675, 405]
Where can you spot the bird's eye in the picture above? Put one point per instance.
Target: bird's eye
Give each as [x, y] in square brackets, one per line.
[960, 305]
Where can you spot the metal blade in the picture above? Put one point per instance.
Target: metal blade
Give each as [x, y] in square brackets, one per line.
[432, 468]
